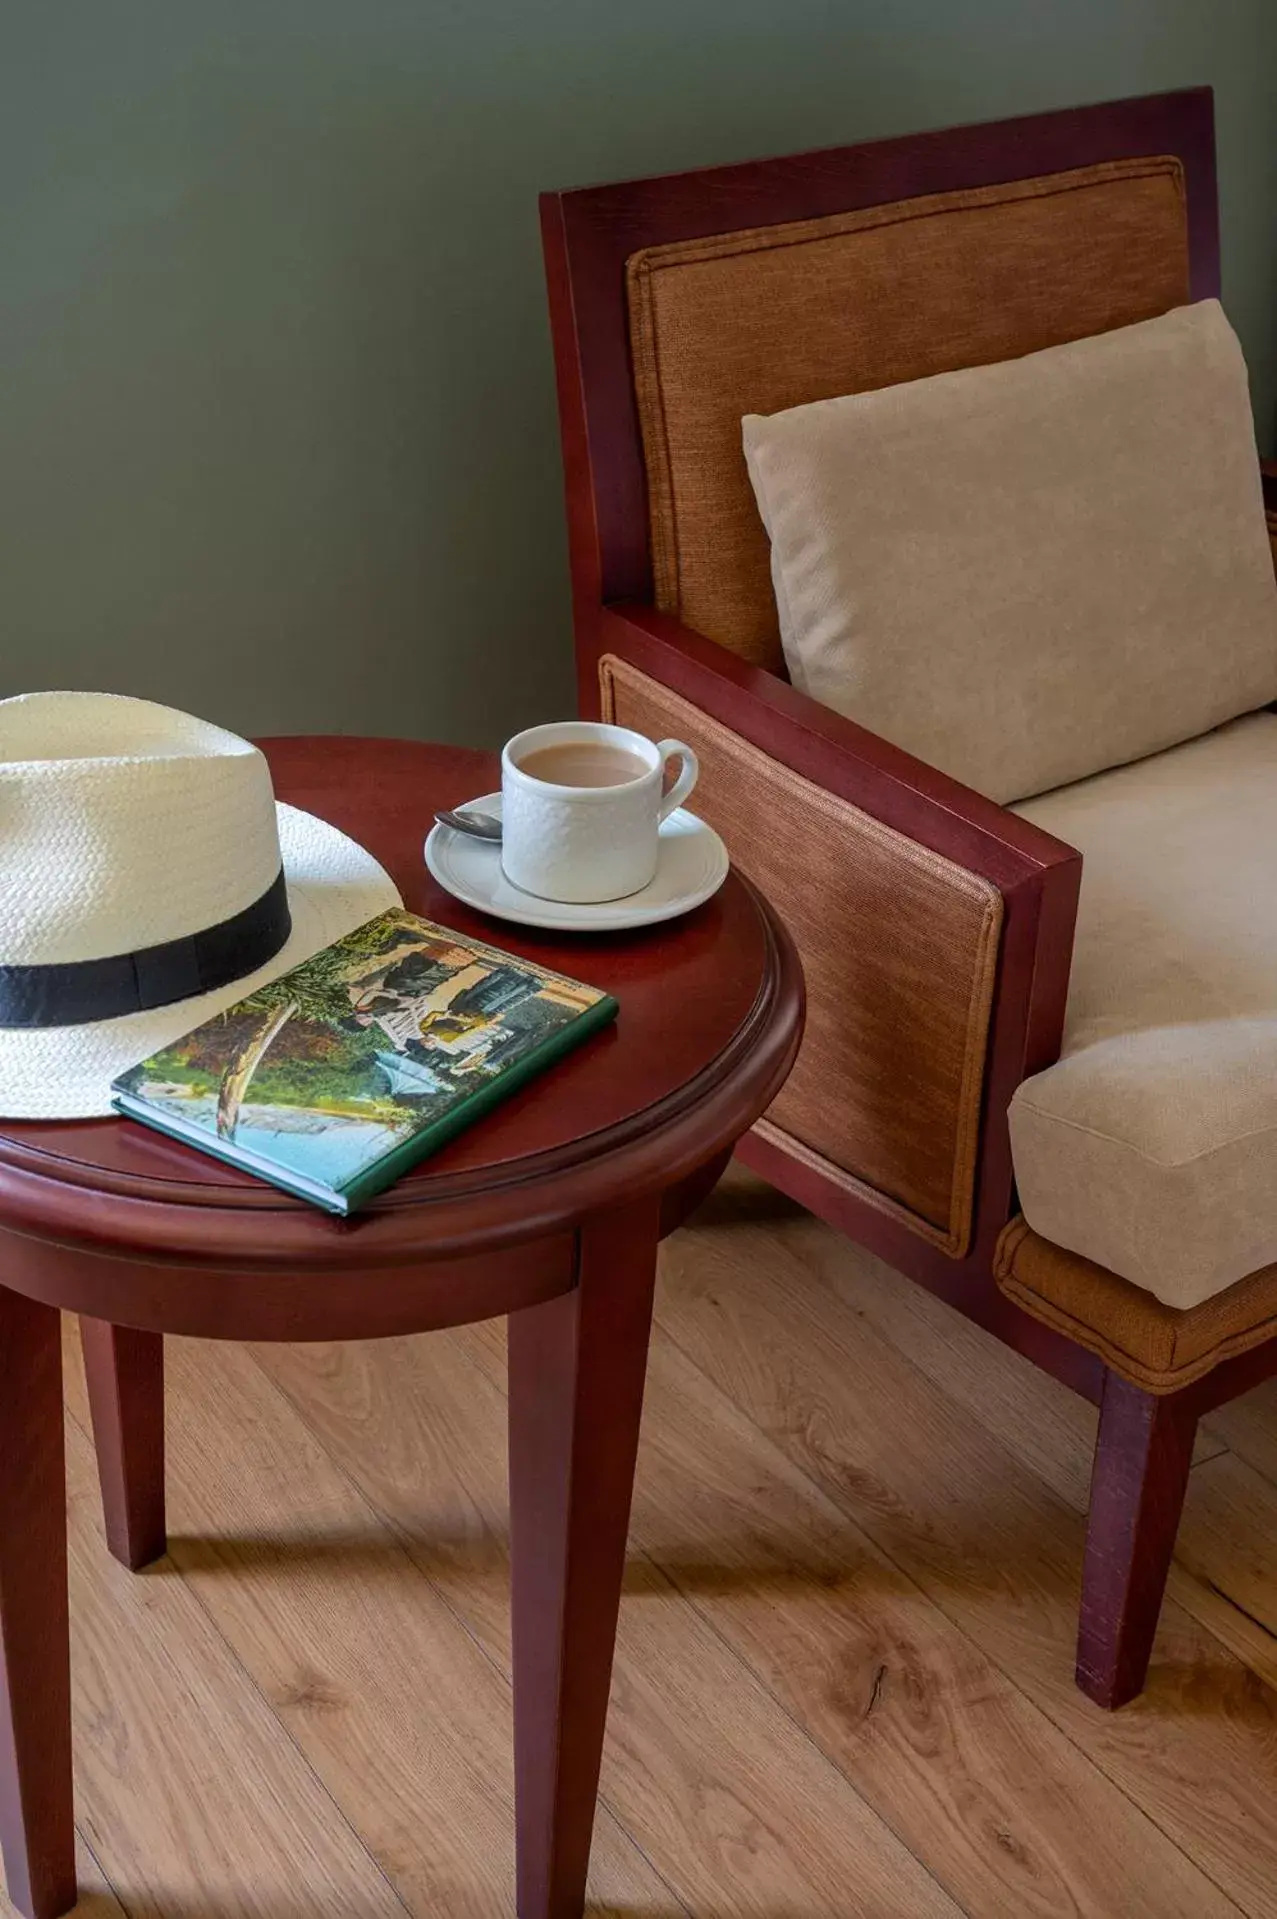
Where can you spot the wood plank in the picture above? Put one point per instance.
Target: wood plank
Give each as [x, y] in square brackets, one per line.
[185, 1779]
[1047, 1426]
[977, 1782]
[96, 1901]
[980, 1784]
[1228, 1549]
[1248, 1427]
[993, 1547]
[378, 1685]
[733, 1804]
[848, 1637]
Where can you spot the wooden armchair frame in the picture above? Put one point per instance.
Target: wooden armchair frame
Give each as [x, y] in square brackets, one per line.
[1145, 1441]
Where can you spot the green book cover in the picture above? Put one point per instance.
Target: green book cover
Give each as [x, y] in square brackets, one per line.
[338, 1077]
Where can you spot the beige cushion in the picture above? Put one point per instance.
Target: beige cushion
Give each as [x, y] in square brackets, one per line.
[1025, 573]
[1151, 1147]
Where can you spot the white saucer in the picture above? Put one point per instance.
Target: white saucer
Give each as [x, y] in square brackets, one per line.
[692, 867]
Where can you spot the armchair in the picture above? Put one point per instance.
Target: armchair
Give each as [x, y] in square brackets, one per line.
[936, 927]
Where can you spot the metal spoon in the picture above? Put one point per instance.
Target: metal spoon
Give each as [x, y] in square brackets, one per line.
[480, 826]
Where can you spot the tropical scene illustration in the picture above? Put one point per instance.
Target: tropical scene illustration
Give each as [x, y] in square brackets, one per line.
[372, 1040]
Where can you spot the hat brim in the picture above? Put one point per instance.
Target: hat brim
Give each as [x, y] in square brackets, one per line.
[65, 1072]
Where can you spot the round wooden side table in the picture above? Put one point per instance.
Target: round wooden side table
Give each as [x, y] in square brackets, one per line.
[550, 1211]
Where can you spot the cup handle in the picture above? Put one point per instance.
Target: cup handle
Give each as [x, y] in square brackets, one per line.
[672, 750]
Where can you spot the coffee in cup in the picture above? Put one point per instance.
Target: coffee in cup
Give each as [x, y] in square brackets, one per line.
[584, 763]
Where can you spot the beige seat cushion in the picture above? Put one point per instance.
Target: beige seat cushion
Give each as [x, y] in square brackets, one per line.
[1151, 1146]
[1027, 572]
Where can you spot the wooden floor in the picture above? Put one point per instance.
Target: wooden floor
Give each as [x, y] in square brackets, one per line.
[843, 1682]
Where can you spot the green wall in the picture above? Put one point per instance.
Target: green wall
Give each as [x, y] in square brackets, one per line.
[277, 434]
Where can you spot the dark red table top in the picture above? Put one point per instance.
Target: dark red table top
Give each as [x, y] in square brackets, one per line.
[710, 1011]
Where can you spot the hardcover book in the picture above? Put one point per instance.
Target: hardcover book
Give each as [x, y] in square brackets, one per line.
[336, 1078]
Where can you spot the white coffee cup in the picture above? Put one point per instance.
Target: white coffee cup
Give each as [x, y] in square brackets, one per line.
[582, 843]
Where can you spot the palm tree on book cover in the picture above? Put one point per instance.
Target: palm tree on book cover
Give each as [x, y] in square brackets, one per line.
[317, 990]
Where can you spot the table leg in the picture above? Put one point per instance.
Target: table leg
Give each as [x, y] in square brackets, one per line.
[577, 1367]
[124, 1370]
[37, 1832]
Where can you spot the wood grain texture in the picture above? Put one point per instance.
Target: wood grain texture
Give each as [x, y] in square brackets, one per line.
[732, 1804]
[192, 1794]
[1227, 1557]
[841, 1684]
[376, 1683]
[980, 1785]
[1248, 1427]
[1053, 1431]
[96, 1900]
[1000, 1555]
[1049, 1428]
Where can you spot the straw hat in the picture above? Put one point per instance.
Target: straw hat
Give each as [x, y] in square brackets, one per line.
[147, 880]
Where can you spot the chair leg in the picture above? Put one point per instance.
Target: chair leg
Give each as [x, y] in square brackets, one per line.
[577, 1367]
[37, 1830]
[1142, 1459]
[125, 1374]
